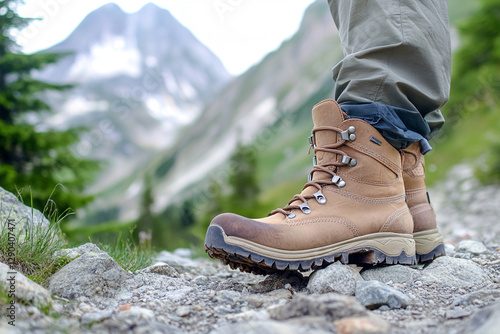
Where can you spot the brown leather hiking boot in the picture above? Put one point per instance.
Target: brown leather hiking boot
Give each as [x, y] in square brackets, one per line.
[352, 209]
[428, 240]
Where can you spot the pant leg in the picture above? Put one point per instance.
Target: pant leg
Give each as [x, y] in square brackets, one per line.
[397, 53]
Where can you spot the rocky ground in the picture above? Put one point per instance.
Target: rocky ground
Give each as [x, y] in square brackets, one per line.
[459, 293]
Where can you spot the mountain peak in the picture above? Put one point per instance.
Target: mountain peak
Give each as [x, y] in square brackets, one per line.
[109, 7]
[149, 7]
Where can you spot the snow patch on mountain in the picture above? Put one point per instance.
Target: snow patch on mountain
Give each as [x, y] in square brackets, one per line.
[76, 106]
[109, 58]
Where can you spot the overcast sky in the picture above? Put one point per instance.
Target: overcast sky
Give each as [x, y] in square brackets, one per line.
[239, 32]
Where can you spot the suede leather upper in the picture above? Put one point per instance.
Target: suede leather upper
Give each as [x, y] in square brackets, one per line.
[372, 200]
[424, 217]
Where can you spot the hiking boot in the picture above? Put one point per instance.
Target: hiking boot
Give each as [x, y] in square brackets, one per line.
[353, 209]
[428, 240]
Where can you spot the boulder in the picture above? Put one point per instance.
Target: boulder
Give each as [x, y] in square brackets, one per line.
[486, 321]
[92, 274]
[331, 306]
[160, 269]
[395, 274]
[22, 216]
[336, 277]
[453, 272]
[25, 289]
[471, 246]
[73, 253]
[374, 294]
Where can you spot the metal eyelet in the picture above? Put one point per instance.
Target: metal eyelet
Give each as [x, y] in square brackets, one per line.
[320, 198]
[291, 215]
[304, 207]
[349, 134]
[337, 180]
[347, 160]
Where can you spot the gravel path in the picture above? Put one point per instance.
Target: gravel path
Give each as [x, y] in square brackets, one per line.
[459, 293]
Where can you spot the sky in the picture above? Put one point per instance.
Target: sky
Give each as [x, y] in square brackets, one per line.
[239, 32]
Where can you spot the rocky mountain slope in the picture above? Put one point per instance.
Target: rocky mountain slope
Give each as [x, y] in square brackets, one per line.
[181, 293]
[93, 294]
[139, 79]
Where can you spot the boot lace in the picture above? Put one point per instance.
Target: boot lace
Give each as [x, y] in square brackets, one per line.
[329, 167]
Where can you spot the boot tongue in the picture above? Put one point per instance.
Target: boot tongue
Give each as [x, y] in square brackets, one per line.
[326, 113]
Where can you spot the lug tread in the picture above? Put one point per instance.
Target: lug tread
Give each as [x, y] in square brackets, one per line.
[435, 253]
[247, 261]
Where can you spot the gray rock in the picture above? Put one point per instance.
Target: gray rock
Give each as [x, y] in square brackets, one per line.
[57, 307]
[312, 324]
[486, 321]
[449, 249]
[456, 313]
[395, 274]
[87, 248]
[5, 328]
[258, 327]
[96, 316]
[161, 269]
[68, 253]
[462, 255]
[183, 311]
[92, 274]
[201, 280]
[22, 215]
[280, 280]
[476, 295]
[85, 308]
[272, 297]
[137, 320]
[452, 272]
[332, 306]
[24, 289]
[136, 315]
[229, 284]
[374, 294]
[334, 278]
[471, 246]
[73, 253]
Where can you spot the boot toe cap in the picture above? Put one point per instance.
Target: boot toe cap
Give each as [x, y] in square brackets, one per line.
[235, 225]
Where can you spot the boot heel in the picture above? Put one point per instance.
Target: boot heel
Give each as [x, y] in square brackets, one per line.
[386, 248]
[429, 245]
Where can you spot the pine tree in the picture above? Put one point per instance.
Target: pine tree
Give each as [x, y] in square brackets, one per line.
[34, 162]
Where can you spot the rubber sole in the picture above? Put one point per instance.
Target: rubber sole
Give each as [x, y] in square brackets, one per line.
[428, 245]
[378, 248]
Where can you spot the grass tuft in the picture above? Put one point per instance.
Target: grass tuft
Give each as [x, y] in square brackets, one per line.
[129, 255]
[34, 244]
